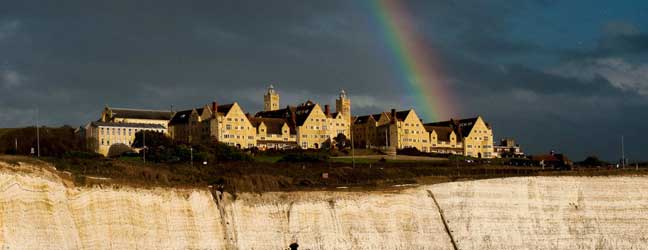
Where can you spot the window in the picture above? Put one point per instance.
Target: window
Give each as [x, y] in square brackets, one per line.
[102, 141]
[102, 132]
[324, 127]
[228, 126]
[229, 119]
[304, 136]
[304, 144]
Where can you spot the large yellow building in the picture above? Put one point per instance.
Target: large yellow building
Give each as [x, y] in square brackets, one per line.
[222, 123]
[117, 127]
[306, 125]
[404, 129]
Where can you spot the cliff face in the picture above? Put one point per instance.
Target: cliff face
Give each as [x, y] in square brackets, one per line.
[39, 211]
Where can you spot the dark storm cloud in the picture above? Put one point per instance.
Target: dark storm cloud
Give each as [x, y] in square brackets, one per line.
[70, 58]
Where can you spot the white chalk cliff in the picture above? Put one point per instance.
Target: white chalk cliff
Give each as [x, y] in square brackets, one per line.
[40, 210]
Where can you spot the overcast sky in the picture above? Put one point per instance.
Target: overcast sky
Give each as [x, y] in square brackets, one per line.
[570, 76]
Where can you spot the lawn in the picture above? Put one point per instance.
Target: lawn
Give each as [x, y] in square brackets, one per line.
[267, 158]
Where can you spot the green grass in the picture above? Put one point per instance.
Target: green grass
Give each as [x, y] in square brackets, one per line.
[131, 159]
[357, 160]
[267, 158]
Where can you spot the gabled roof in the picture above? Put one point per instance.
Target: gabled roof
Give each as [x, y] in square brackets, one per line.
[140, 114]
[401, 115]
[200, 111]
[443, 133]
[461, 127]
[377, 116]
[225, 108]
[364, 119]
[273, 125]
[295, 115]
[181, 117]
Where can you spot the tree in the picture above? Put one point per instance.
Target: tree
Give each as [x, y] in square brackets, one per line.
[53, 141]
[152, 139]
[592, 161]
[341, 141]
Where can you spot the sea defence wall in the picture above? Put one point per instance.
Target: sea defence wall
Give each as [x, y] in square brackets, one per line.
[40, 210]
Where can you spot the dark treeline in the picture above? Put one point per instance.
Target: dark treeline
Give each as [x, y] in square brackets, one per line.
[54, 142]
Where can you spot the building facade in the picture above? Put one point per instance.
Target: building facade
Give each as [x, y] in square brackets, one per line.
[507, 148]
[404, 129]
[117, 127]
[306, 125]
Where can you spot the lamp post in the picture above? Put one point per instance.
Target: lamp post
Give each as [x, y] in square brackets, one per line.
[144, 145]
[352, 147]
[37, 136]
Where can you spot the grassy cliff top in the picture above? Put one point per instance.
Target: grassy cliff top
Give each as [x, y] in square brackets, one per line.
[263, 177]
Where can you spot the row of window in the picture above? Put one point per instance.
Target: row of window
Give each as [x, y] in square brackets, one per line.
[228, 136]
[316, 136]
[124, 131]
[107, 142]
[229, 127]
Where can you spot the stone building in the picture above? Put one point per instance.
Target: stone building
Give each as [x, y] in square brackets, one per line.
[404, 129]
[117, 127]
[306, 125]
[222, 123]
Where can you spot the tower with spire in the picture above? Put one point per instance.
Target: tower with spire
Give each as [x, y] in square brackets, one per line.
[270, 99]
[343, 105]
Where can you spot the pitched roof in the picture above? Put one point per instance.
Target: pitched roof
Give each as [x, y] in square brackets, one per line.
[377, 116]
[127, 125]
[141, 114]
[273, 125]
[461, 127]
[296, 115]
[363, 119]
[401, 115]
[225, 108]
[443, 133]
[200, 111]
[181, 117]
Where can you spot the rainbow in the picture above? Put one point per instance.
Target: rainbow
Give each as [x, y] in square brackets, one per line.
[420, 73]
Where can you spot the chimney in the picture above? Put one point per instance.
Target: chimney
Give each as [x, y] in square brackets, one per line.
[293, 117]
[327, 110]
[214, 108]
[393, 115]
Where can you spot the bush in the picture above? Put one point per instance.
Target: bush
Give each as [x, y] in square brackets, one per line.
[410, 151]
